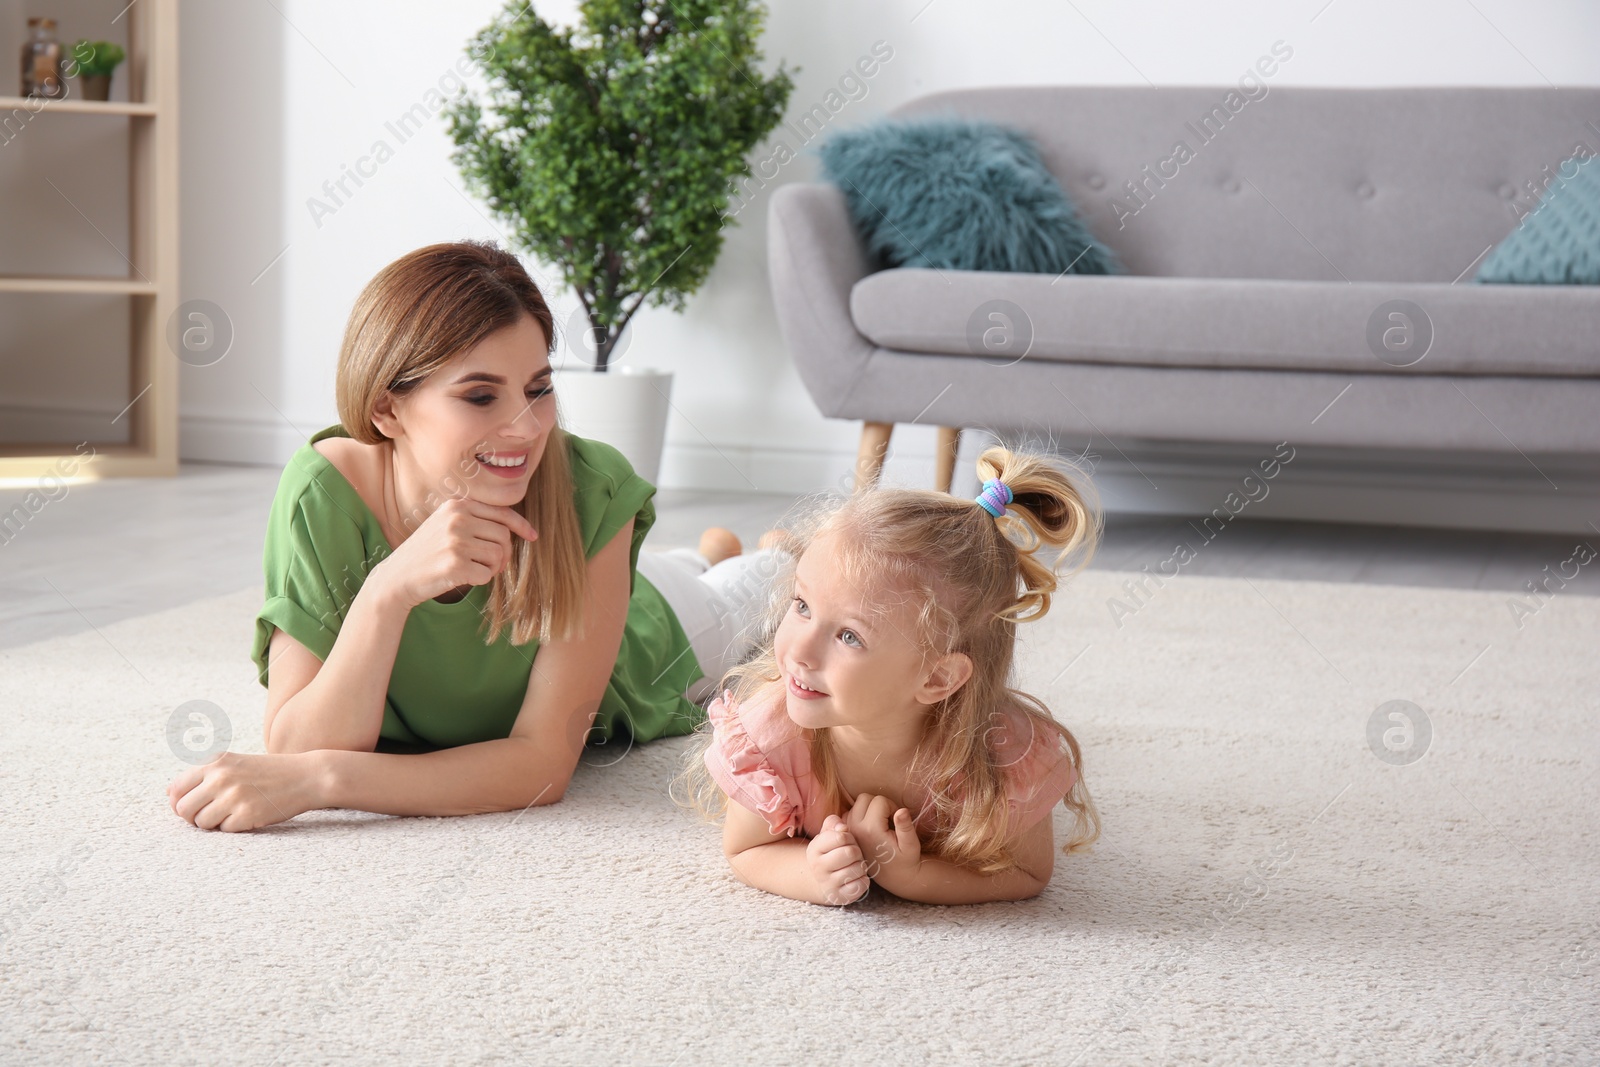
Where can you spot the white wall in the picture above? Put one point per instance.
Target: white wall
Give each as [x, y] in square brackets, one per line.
[275, 105]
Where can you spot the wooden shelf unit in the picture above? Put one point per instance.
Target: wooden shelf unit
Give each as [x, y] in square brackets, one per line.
[151, 71]
[39, 283]
[76, 107]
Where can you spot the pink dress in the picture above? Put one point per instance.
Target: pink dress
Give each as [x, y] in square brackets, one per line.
[762, 760]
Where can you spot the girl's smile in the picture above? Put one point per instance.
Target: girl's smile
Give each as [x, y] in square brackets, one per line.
[802, 692]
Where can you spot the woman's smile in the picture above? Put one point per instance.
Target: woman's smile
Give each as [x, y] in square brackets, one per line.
[504, 464]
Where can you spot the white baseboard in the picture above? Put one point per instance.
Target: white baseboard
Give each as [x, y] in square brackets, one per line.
[1493, 491]
[1440, 489]
[252, 441]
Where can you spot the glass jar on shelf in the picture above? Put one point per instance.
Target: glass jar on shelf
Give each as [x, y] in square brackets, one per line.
[41, 61]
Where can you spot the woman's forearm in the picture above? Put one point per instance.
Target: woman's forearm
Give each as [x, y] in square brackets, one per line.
[937, 882]
[505, 774]
[342, 707]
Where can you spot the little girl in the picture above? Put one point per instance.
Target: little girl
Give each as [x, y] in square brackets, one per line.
[876, 737]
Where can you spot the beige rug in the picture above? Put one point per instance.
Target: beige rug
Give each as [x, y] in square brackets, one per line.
[1268, 889]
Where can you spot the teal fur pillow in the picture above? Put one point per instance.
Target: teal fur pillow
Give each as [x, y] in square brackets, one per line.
[1557, 242]
[959, 194]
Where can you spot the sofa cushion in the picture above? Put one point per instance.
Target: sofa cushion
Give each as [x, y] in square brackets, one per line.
[959, 194]
[1298, 181]
[1558, 242]
[1360, 327]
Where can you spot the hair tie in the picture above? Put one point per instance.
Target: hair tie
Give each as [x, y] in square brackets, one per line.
[995, 496]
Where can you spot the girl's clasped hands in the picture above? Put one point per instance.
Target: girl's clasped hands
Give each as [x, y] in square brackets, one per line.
[875, 841]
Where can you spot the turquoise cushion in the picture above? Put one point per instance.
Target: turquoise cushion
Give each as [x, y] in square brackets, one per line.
[959, 195]
[1558, 241]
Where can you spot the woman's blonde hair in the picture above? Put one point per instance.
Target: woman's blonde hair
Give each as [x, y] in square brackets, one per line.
[417, 315]
[970, 578]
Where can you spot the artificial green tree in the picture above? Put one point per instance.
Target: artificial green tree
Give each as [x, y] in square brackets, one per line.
[610, 149]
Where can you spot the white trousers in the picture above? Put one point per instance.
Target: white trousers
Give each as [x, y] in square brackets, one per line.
[720, 607]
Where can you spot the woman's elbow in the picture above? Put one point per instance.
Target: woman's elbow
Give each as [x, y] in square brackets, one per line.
[549, 782]
[550, 794]
[520, 800]
[283, 732]
[280, 743]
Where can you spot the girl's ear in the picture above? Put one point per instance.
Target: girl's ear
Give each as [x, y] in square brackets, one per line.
[948, 673]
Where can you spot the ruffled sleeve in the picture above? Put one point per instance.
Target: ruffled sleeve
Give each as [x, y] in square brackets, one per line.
[750, 775]
[1037, 765]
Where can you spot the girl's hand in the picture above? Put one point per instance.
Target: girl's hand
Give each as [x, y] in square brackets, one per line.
[887, 836]
[464, 542]
[241, 791]
[834, 861]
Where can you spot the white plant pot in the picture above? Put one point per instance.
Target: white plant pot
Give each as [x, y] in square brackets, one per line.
[626, 407]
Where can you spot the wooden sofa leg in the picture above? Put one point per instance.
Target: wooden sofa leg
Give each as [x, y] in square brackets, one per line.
[869, 455]
[949, 447]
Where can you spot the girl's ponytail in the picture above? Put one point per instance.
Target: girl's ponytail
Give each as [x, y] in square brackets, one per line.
[1047, 507]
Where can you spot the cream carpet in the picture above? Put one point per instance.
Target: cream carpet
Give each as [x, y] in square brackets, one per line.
[1268, 889]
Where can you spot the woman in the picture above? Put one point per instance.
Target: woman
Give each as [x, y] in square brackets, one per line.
[456, 600]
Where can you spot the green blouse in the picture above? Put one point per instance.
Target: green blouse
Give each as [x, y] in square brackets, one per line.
[448, 687]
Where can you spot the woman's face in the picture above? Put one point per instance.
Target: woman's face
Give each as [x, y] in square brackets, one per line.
[477, 426]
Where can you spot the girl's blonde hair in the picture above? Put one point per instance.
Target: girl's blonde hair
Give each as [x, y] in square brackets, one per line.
[971, 578]
[416, 316]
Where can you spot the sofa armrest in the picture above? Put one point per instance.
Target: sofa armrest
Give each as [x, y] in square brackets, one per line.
[814, 258]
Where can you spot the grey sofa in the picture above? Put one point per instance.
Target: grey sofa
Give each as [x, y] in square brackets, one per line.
[1264, 271]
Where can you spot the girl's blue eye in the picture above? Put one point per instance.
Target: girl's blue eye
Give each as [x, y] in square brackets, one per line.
[488, 398]
[850, 637]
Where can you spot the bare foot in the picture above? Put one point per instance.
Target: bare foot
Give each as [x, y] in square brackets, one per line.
[719, 543]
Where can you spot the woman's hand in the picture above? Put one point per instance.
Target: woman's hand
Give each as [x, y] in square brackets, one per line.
[887, 836]
[464, 542]
[241, 791]
[834, 861]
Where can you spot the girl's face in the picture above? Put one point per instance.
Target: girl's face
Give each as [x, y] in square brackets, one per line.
[494, 402]
[859, 659]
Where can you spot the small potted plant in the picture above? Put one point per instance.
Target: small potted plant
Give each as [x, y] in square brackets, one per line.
[608, 150]
[95, 60]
